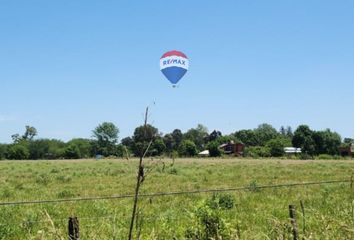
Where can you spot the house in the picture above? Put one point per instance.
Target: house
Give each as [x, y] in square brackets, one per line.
[232, 148]
[347, 151]
[292, 150]
[204, 153]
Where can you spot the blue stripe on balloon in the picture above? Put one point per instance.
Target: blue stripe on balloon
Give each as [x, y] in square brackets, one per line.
[174, 74]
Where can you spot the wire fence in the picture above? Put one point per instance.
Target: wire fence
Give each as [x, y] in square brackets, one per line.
[161, 194]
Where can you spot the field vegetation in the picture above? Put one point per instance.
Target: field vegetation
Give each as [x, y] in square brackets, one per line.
[253, 213]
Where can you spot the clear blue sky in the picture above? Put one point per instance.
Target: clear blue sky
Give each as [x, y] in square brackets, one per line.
[66, 66]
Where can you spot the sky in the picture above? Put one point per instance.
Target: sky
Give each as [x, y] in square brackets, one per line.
[67, 66]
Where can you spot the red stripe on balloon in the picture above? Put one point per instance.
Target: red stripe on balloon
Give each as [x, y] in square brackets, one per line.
[174, 53]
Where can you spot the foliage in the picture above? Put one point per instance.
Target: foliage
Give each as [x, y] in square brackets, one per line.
[277, 145]
[106, 135]
[72, 151]
[327, 142]
[187, 148]
[198, 135]
[3, 149]
[214, 150]
[17, 151]
[303, 138]
[142, 138]
[257, 152]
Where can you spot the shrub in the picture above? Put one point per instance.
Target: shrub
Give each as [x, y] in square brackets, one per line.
[221, 201]
[214, 150]
[256, 152]
[210, 225]
[17, 151]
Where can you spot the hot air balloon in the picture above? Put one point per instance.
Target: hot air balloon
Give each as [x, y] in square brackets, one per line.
[174, 65]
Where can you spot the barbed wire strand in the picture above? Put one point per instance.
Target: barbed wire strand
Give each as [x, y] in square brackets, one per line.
[160, 194]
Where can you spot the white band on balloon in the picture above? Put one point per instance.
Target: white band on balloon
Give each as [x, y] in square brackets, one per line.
[174, 61]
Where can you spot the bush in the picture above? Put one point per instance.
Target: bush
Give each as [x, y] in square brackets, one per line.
[72, 152]
[3, 149]
[17, 151]
[256, 152]
[210, 225]
[214, 150]
[221, 201]
[187, 148]
[325, 157]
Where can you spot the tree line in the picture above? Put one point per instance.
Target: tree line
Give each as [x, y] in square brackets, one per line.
[263, 141]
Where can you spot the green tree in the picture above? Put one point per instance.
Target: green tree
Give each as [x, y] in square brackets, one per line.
[214, 150]
[17, 151]
[106, 135]
[177, 136]
[327, 142]
[303, 138]
[3, 149]
[247, 137]
[84, 146]
[46, 149]
[187, 148]
[30, 133]
[277, 145]
[142, 138]
[158, 147]
[198, 135]
[169, 142]
[72, 151]
[265, 132]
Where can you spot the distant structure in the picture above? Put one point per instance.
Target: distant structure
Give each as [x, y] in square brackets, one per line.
[347, 151]
[292, 150]
[233, 148]
[204, 153]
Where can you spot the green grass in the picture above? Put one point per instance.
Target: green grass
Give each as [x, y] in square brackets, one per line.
[256, 214]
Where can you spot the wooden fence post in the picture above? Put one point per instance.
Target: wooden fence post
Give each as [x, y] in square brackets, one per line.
[351, 180]
[293, 221]
[73, 228]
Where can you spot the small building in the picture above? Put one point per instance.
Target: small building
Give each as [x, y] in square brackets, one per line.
[204, 153]
[232, 148]
[347, 151]
[292, 150]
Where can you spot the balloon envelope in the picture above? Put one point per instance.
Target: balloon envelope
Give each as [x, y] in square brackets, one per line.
[174, 65]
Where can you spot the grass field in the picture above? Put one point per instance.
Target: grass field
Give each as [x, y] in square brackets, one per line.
[249, 214]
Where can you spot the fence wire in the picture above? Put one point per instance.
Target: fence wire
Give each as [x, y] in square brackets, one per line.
[161, 194]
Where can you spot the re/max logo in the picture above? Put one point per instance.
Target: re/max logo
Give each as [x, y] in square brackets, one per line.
[174, 61]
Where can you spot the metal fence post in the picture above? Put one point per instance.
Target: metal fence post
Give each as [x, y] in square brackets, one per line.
[73, 228]
[293, 221]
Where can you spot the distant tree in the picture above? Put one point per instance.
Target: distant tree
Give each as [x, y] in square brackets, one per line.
[187, 148]
[30, 133]
[158, 147]
[257, 151]
[46, 149]
[198, 135]
[303, 138]
[213, 148]
[327, 142]
[3, 149]
[128, 142]
[106, 135]
[84, 146]
[16, 137]
[72, 151]
[247, 137]
[169, 142]
[276, 146]
[142, 137]
[214, 135]
[177, 136]
[17, 152]
[348, 141]
[265, 132]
